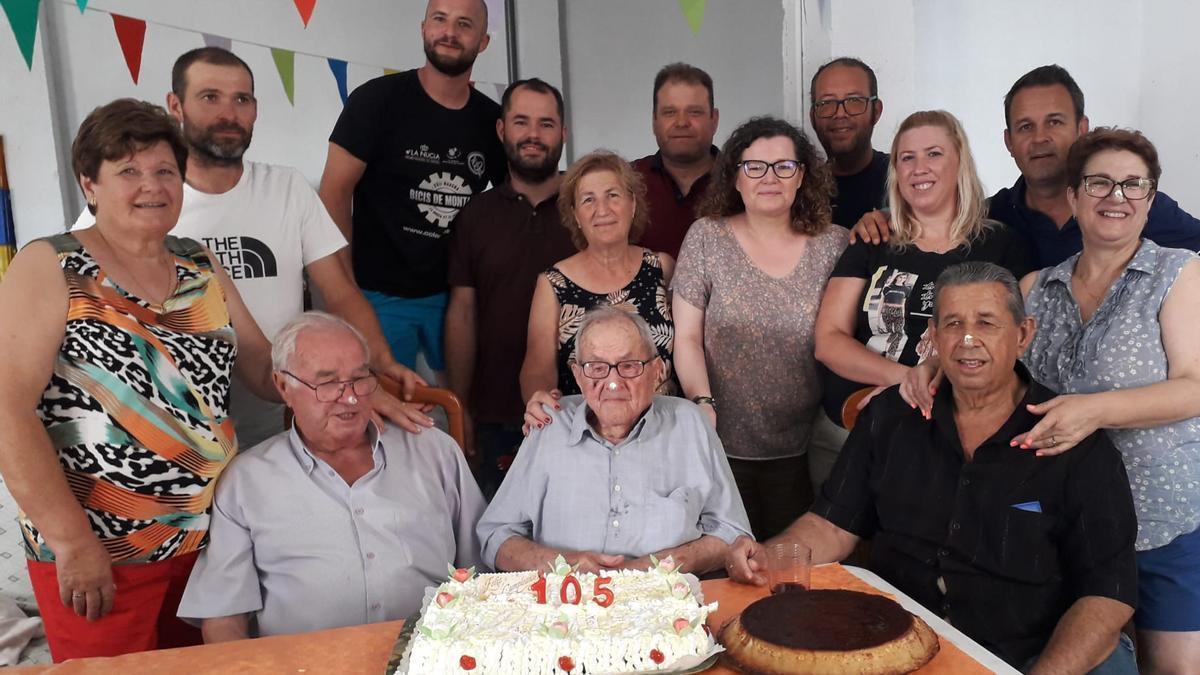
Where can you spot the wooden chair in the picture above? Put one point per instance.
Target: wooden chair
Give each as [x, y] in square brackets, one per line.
[850, 407]
[422, 395]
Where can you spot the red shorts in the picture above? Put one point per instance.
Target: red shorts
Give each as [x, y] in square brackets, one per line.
[142, 617]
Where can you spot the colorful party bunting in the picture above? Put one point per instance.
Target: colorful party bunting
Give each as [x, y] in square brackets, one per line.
[338, 67]
[693, 10]
[23, 17]
[131, 33]
[218, 41]
[82, 5]
[305, 7]
[390, 71]
[285, 63]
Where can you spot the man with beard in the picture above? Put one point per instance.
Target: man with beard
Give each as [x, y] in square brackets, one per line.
[263, 222]
[500, 242]
[845, 109]
[409, 151]
[684, 123]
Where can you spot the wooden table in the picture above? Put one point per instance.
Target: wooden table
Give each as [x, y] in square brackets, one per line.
[366, 649]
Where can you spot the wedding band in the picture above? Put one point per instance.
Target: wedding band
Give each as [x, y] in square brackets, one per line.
[1053, 440]
[79, 595]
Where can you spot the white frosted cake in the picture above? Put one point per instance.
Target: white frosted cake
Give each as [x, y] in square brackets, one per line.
[511, 623]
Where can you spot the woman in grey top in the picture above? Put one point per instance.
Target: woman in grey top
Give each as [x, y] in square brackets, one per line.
[1115, 337]
[746, 291]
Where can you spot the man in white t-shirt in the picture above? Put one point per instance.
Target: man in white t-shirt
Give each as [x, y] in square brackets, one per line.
[264, 223]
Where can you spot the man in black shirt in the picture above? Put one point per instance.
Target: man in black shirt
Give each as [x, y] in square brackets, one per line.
[409, 151]
[845, 109]
[1033, 557]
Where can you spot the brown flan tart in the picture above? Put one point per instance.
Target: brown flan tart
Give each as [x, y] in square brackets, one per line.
[829, 632]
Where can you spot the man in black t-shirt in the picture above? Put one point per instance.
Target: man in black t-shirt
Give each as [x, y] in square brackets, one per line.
[845, 109]
[408, 152]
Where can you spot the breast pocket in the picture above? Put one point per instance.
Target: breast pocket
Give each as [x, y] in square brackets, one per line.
[671, 520]
[1027, 546]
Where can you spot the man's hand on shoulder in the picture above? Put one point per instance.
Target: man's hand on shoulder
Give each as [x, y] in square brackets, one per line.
[874, 226]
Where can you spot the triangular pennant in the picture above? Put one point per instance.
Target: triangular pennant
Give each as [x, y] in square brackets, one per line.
[500, 88]
[305, 7]
[285, 63]
[693, 10]
[338, 67]
[82, 5]
[23, 17]
[218, 41]
[390, 71]
[131, 33]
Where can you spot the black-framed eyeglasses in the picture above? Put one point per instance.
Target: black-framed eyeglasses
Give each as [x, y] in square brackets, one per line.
[784, 168]
[854, 105]
[628, 369]
[1101, 187]
[328, 392]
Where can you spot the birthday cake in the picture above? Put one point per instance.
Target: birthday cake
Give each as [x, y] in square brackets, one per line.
[830, 632]
[562, 621]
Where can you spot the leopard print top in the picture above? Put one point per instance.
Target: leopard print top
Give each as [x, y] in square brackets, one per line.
[137, 406]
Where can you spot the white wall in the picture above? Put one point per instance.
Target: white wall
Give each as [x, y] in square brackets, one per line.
[615, 47]
[1132, 60]
[88, 69]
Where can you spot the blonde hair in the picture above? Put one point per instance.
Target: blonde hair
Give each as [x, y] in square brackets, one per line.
[970, 217]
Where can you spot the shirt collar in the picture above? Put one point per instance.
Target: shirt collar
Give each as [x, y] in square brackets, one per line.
[308, 461]
[656, 161]
[650, 423]
[1144, 261]
[1020, 421]
[510, 193]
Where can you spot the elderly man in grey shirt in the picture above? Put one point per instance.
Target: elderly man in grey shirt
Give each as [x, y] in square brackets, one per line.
[332, 523]
[620, 473]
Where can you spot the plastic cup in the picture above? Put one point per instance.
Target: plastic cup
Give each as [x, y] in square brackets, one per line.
[789, 568]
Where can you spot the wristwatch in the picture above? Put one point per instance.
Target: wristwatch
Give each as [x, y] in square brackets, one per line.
[701, 400]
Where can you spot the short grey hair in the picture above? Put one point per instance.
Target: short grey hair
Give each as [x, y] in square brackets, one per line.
[609, 314]
[284, 346]
[978, 272]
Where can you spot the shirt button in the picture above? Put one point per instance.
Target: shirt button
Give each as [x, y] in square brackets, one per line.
[943, 552]
[955, 526]
[616, 523]
[375, 606]
[616, 488]
[617, 453]
[370, 556]
[966, 482]
[359, 511]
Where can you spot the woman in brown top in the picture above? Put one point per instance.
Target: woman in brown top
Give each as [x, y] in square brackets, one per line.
[750, 278]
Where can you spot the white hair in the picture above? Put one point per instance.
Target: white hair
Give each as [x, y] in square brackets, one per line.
[284, 346]
[609, 314]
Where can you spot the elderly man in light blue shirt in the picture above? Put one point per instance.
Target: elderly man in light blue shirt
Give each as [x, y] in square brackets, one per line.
[620, 473]
[332, 523]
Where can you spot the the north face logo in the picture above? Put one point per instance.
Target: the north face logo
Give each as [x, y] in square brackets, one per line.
[243, 257]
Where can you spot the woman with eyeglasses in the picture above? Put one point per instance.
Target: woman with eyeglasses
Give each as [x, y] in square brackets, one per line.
[602, 203]
[1116, 337]
[874, 318]
[750, 277]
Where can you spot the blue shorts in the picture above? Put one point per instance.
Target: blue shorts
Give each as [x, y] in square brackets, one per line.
[1169, 586]
[412, 325]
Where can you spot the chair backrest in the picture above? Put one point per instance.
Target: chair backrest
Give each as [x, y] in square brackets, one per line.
[850, 407]
[422, 395]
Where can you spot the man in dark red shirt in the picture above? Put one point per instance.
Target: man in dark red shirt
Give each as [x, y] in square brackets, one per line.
[499, 243]
[685, 121]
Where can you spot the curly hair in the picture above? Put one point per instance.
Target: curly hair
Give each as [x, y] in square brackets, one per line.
[602, 160]
[1110, 138]
[811, 212]
[970, 218]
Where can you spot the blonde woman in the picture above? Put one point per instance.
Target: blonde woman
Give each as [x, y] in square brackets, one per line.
[873, 322]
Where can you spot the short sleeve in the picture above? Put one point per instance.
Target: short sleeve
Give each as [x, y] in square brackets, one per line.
[855, 261]
[362, 119]
[461, 268]
[846, 499]
[319, 235]
[693, 269]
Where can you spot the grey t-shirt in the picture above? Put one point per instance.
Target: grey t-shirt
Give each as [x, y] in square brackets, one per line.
[758, 336]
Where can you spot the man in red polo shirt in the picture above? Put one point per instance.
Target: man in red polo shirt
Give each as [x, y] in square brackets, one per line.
[684, 123]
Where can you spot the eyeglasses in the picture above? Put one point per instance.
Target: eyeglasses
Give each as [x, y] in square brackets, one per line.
[854, 105]
[328, 392]
[598, 370]
[1101, 187]
[784, 168]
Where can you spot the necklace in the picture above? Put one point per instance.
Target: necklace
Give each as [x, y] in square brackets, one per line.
[142, 286]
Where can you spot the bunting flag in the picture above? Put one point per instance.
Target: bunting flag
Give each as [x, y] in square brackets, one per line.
[285, 63]
[132, 35]
[218, 41]
[8, 234]
[82, 5]
[693, 11]
[305, 7]
[23, 17]
[390, 71]
[500, 89]
[338, 67]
